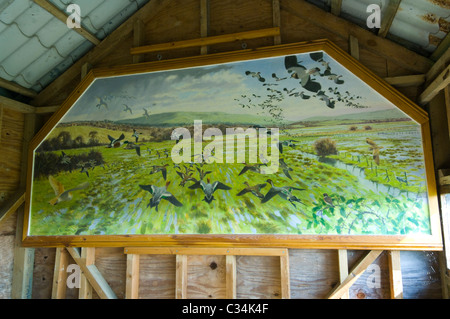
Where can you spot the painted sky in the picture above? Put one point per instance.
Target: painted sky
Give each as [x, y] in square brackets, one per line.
[220, 88]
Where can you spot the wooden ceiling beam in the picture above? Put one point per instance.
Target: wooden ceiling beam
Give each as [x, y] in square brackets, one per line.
[441, 49]
[342, 28]
[14, 87]
[54, 10]
[17, 106]
[388, 17]
[438, 84]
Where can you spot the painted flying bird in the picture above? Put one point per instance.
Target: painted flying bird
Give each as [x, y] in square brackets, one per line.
[162, 169]
[83, 168]
[160, 193]
[376, 150]
[301, 73]
[115, 142]
[146, 113]
[61, 194]
[136, 135]
[127, 108]
[286, 169]
[336, 78]
[304, 96]
[286, 143]
[209, 189]
[254, 168]
[317, 56]
[186, 177]
[277, 78]
[328, 101]
[284, 192]
[255, 190]
[64, 158]
[166, 152]
[131, 146]
[256, 75]
[101, 102]
[328, 199]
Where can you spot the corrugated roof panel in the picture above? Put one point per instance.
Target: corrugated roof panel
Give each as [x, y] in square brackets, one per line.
[117, 20]
[49, 59]
[106, 11]
[13, 39]
[70, 40]
[13, 10]
[32, 20]
[52, 32]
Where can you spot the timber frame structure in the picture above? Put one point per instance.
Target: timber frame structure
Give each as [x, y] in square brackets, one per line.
[420, 79]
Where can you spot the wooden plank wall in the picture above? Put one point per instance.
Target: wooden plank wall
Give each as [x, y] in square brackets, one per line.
[313, 273]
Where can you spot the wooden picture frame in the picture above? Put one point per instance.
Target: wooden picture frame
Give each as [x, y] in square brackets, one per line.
[431, 241]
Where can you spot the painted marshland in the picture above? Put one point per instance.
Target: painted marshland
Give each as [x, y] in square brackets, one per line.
[350, 162]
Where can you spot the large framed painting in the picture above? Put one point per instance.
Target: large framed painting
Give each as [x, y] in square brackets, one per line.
[296, 145]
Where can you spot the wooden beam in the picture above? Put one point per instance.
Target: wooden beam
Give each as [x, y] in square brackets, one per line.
[343, 269]
[206, 251]
[20, 107]
[60, 274]
[406, 80]
[440, 83]
[336, 6]
[14, 87]
[181, 277]
[342, 28]
[441, 49]
[438, 67]
[276, 17]
[204, 23]
[85, 68]
[285, 276]
[88, 257]
[22, 281]
[138, 39]
[395, 274]
[54, 10]
[388, 17]
[269, 32]
[355, 273]
[12, 204]
[447, 106]
[132, 283]
[93, 275]
[230, 277]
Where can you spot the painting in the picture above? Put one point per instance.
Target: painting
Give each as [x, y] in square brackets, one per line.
[288, 144]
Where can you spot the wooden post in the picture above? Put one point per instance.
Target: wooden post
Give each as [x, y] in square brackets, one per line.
[231, 277]
[395, 274]
[276, 20]
[88, 257]
[285, 277]
[60, 274]
[132, 284]
[85, 68]
[22, 280]
[138, 39]
[181, 277]
[204, 23]
[343, 269]
[354, 47]
[447, 105]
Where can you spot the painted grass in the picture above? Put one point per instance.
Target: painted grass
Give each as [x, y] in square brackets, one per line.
[115, 204]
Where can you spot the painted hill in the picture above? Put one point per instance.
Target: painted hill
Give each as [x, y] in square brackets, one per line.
[375, 115]
[187, 119]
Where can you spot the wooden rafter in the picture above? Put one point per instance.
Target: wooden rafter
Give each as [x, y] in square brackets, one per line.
[388, 17]
[441, 49]
[395, 274]
[57, 13]
[355, 273]
[14, 87]
[25, 108]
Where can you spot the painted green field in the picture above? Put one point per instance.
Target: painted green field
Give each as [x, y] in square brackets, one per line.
[389, 198]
